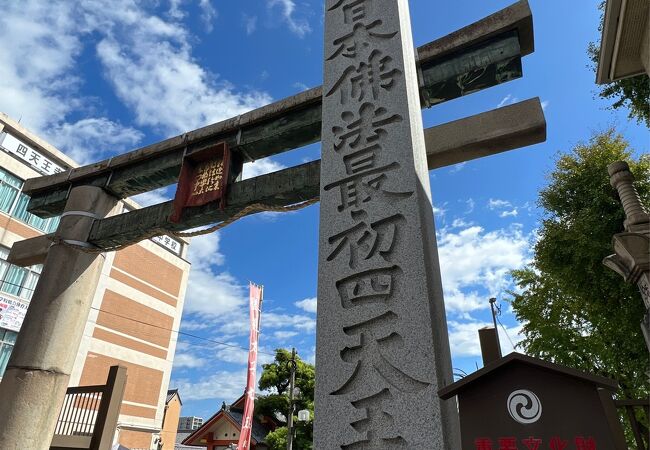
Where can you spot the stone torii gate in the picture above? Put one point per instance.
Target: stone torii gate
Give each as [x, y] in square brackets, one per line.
[382, 345]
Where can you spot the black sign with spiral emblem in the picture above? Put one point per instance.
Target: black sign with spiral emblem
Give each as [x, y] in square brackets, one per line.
[523, 403]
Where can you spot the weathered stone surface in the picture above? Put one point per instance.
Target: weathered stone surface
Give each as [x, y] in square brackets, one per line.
[473, 137]
[382, 345]
[38, 371]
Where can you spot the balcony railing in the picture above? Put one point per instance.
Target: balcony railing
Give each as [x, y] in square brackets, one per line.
[88, 417]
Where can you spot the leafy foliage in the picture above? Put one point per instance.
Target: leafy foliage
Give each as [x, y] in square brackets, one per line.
[277, 440]
[633, 93]
[576, 311]
[275, 379]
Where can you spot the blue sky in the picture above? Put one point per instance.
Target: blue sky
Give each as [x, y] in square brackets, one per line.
[98, 78]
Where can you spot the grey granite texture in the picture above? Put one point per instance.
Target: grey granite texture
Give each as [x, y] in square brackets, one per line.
[382, 344]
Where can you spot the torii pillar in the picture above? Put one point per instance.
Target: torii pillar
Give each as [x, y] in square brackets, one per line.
[39, 368]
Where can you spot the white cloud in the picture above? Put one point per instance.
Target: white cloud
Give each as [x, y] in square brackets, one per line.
[187, 360]
[505, 208]
[232, 355]
[204, 251]
[90, 139]
[457, 167]
[463, 338]
[193, 325]
[512, 213]
[460, 302]
[146, 58]
[460, 223]
[237, 323]
[250, 24]
[498, 204]
[295, 321]
[479, 261]
[470, 206]
[308, 304]
[545, 104]
[507, 100]
[223, 385]
[238, 355]
[40, 83]
[284, 335]
[151, 68]
[261, 167]
[217, 296]
[208, 14]
[298, 26]
[175, 10]
[300, 86]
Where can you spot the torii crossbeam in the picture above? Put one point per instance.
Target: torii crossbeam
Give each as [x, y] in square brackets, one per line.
[481, 55]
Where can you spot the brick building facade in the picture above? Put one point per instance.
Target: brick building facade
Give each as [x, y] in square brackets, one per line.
[136, 307]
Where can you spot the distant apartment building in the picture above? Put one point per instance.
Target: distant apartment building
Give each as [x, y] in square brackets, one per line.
[190, 423]
[136, 307]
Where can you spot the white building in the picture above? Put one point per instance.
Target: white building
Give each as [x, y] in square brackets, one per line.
[190, 423]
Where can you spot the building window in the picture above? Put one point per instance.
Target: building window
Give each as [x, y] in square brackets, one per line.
[20, 212]
[7, 340]
[17, 281]
[10, 187]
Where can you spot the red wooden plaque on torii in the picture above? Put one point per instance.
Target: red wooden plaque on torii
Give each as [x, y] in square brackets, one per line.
[203, 179]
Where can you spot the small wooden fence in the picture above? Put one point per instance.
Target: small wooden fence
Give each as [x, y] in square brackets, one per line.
[88, 417]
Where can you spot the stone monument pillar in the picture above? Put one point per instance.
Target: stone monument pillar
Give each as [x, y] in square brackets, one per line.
[382, 344]
[632, 257]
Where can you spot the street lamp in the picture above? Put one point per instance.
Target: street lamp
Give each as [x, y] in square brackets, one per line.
[304, 415]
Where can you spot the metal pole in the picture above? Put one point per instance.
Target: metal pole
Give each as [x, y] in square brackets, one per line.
[292, 382]
[494, 320]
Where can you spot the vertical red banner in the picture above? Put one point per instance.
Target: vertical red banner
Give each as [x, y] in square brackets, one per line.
[256, 293]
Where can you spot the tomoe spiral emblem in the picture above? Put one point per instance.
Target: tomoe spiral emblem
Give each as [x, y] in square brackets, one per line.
[524, 406]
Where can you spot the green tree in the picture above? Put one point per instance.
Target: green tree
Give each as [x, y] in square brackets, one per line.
[275, 380]
[632, 93]
[576, 311]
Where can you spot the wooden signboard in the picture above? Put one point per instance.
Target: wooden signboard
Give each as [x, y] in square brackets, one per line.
[203, 179]
[523, 403]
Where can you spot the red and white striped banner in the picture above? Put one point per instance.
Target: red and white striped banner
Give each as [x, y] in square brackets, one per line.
[256, 293]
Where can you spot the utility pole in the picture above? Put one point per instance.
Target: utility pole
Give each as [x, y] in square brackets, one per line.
[493, 300]
[292, 383]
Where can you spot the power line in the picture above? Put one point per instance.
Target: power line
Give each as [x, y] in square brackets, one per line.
[506, 332]
[183, 333]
